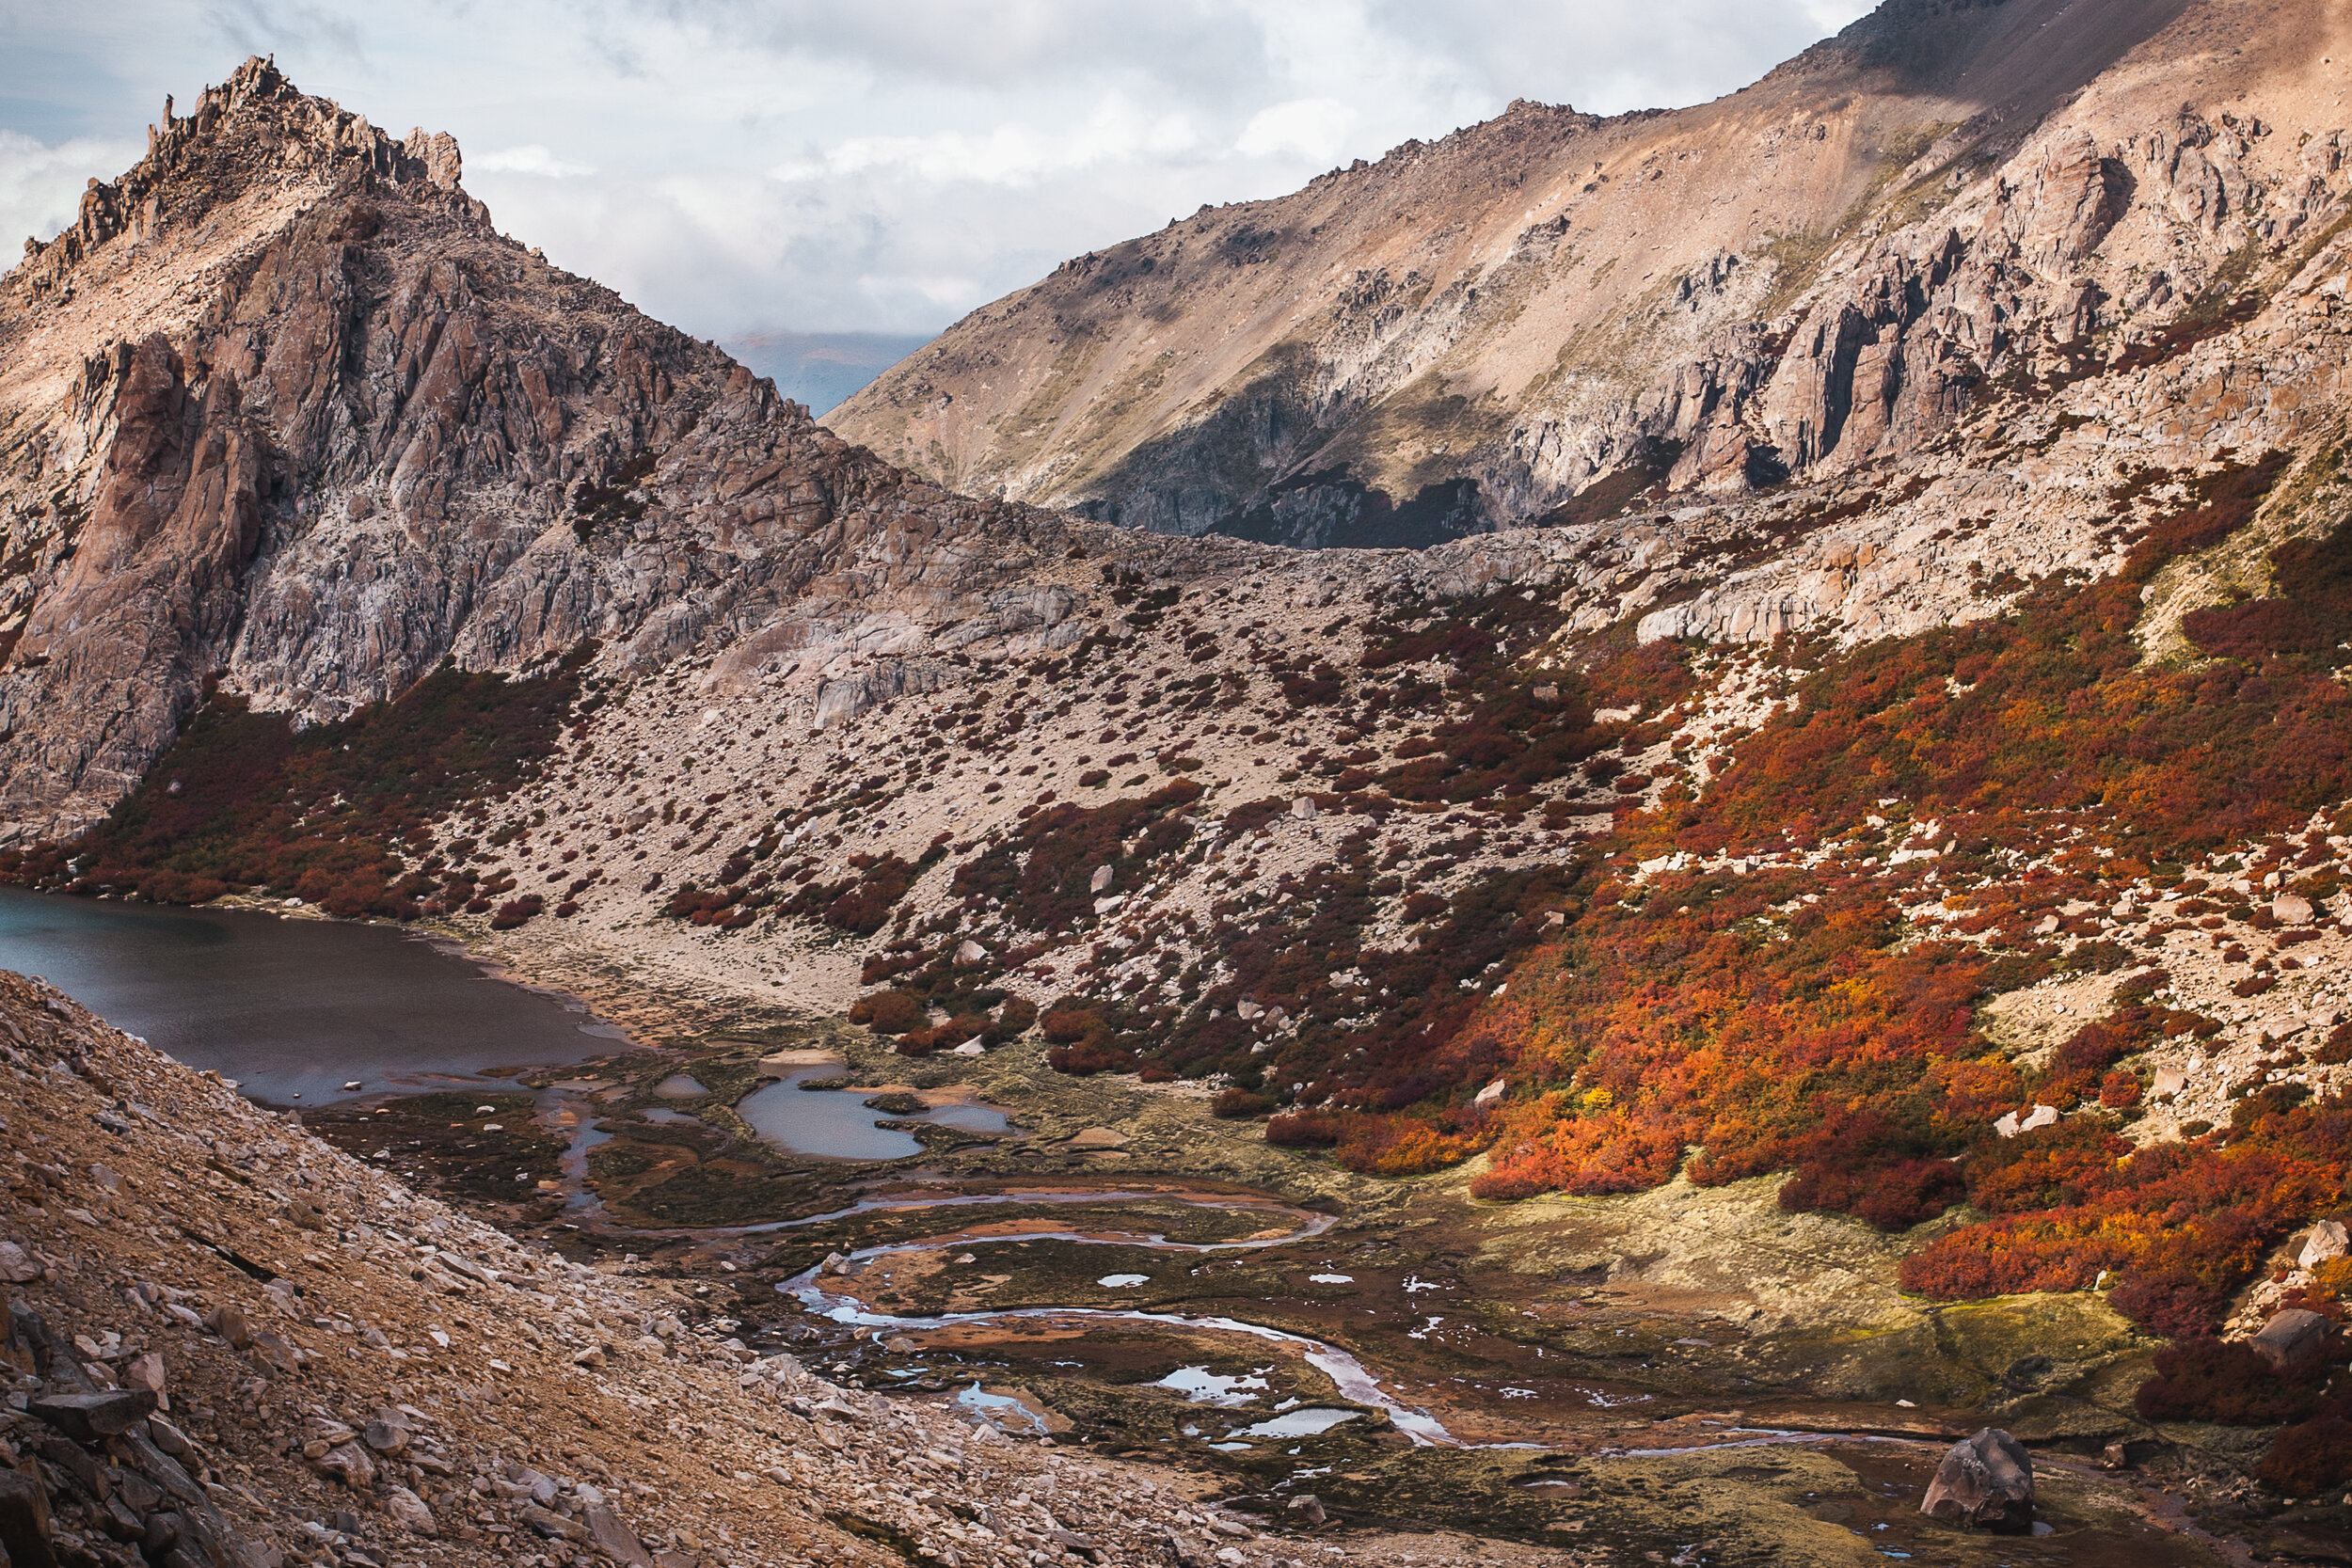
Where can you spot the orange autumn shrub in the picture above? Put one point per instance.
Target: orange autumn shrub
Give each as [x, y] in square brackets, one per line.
[1587, 1156]
[2184, 1224]
[1821, 1040]
[2050, 1167]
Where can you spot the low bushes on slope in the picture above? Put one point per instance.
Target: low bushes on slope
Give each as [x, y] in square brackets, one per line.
[244, 800]
[1794, 1019]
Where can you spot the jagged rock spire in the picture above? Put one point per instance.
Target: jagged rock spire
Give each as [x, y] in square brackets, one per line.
[262, 122]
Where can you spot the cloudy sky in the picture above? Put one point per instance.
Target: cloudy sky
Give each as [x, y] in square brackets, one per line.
[786, 167]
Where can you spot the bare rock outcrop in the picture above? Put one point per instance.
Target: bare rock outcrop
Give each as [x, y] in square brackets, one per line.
[285, 413]
[1547, 313]
[1985, 1481]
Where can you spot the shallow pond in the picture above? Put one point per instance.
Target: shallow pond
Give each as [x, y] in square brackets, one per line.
[837, 1124]
[291, 1008]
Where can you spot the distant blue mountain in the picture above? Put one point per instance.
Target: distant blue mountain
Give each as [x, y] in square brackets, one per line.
[820, 369]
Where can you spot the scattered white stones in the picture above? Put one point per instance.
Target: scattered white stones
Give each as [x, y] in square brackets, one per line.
[2011, 1124]
[2327, 1240]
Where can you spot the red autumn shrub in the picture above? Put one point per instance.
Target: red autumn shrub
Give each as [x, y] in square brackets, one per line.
[2260, 628]
[1089, 1057]
[888, 1012]
[1306, 1129]
[2182, 1223]
[1066, 1022]
[515, 912]
[2223, 1381]
[1893, 1197]
[2050, 1167]
[2177, 1305]
[2310, 1457]
[242, 800]
[1398, 1145]
[1238, 1105]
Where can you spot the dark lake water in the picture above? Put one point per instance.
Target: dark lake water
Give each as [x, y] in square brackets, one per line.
[290, 1007]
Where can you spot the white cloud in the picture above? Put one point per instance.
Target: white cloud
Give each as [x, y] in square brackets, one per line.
[1310, 128]
[530, 159]
[40, 187]
[1115, 133]
[879, 167]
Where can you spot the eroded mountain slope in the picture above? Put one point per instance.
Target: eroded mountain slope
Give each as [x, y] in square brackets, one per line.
[1956, 827]
[284, 412]
[1547, 313]
[234, 1346]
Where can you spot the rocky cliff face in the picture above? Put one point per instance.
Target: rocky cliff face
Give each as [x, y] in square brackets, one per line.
[1548, 315]
[285, 413]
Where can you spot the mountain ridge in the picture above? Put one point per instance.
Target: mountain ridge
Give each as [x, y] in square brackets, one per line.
[1419, 331]
[252, 482]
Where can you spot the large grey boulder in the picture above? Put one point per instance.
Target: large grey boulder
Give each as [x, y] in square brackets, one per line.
[1985, 1481]
[2289, 1334]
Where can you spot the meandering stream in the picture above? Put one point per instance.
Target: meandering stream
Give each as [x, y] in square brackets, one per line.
[295, 1010]
[1347, 1374]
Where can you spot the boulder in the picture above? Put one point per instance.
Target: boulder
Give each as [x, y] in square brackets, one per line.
[615, 1539]
[277, 1354]
[2168, 1080]
[228, 1322]
[2012, 1124]
[2289, 1336]
[552, 1525]
[1097, 1137]
[2327, 1240]
[1985, 1481]
[1303, 807]
[147, 1371]
[410, 1511]
[969, 953]
[1492, 1092]
[25, 1520]
[2291, 909]
[1101, 881]
[349, 1463]
[90, 1417]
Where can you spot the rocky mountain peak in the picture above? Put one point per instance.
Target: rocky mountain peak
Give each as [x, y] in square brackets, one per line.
[339, 431]
[256, 124]
[1541, 317]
